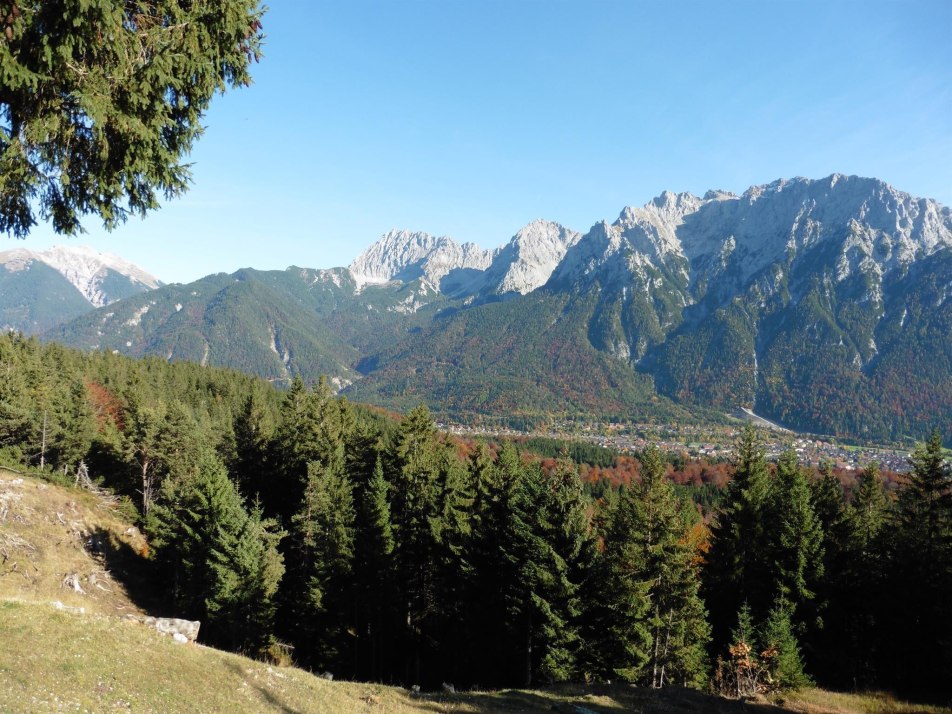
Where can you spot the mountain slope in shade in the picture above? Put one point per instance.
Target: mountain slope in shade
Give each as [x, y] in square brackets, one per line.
[40, 289]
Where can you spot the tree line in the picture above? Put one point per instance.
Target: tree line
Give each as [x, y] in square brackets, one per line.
[297, 522]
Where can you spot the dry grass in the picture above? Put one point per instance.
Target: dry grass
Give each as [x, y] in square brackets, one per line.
[54, 540]
[818, 701]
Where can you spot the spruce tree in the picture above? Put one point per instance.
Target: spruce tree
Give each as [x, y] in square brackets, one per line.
[320, 564]
[870, 512]
[415, 510]
[103, 101]
[373, 574]
[861, 603]
[781, 651]
[486, 571]
[221, 563]
[922, 570]
[678, 622]
[617, 631]
[660, 567]
[252, 432]
[796, 542]
[830, 616]
[738, 565]
[570, 538]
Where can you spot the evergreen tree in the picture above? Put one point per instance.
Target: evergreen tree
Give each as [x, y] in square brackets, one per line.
[221, 562]
[649, 557]
[162, 442]
[616, 629]
[311, 428]
[539, 598]
[252, 433]
[870, 512]
[796, 540]
[677, 620]
[570, 538]
[415, 511]
[739, 567]
[830, 616]
[860, 603]
[320, 563]
[102, 101]
[781, 652]
[742, 674]
[486, 571]
[922, 570]
[373, 574]
[77, 428]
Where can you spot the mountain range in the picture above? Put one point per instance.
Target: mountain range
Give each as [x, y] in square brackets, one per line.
[40, 289]
[821, 304]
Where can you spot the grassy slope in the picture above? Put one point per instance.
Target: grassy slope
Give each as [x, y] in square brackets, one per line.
[61, 659]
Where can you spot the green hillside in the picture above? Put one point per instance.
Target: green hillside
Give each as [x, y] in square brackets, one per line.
[36, 298]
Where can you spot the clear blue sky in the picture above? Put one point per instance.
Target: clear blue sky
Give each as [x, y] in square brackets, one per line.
[470, 119]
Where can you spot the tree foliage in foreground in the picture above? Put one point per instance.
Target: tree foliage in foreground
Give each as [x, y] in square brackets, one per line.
[102, 100]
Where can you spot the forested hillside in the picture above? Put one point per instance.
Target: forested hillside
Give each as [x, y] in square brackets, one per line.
[388, 551]
[820, 304]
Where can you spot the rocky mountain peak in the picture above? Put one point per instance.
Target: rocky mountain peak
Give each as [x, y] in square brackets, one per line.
[404, 255]
[85, 268]
[527, 261]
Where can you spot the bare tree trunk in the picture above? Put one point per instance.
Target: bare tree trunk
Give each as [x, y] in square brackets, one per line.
[529, 650]
[667, 644]
[654, 656]
[43, 445]
[147, 487]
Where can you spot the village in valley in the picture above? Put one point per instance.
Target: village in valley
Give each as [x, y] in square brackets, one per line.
[701, 442]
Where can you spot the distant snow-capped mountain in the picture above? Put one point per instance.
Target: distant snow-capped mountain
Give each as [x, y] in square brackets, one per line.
[39, 289]
[88, 270]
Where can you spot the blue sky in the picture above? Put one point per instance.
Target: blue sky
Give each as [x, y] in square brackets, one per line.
[471, 119]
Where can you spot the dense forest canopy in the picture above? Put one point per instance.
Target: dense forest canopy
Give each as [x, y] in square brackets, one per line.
[386, 550]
